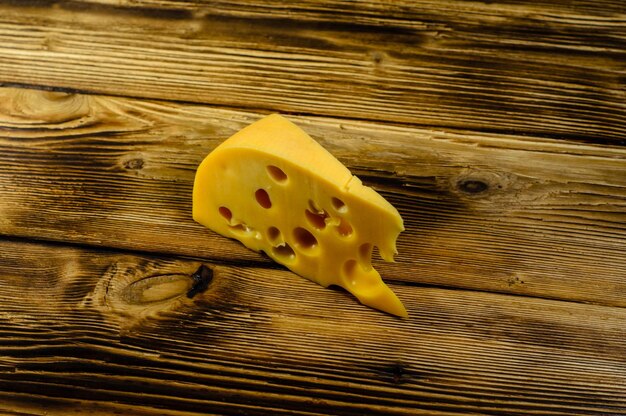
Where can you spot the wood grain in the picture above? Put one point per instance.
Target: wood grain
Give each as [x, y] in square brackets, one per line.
[497, 129]
[107, 331]
[483, 211]
[539, 68]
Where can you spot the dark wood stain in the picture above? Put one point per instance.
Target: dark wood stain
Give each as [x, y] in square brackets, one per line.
[201, 280]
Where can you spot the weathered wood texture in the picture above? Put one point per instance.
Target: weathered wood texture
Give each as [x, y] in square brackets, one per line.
[537, 67]
[86, 330]
[482, 211]
[496, 128]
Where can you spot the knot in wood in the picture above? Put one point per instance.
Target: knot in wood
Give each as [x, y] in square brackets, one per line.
[45, 108]
[378, 57]
[134, 164]
[201, 280]
[158, 288]
[397, 373]
[132, 289]
[472, 186]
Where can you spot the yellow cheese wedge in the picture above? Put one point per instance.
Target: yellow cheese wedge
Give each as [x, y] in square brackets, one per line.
[275, 189]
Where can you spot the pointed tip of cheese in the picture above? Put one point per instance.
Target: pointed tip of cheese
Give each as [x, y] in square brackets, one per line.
[368, 287]
[384, 300]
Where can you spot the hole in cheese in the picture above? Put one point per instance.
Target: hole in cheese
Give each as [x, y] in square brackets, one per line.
[349, 269]
[277, 174]
[241, 229]
[225, 212]
[303, 238]
[274, 235]
[339, 205]
[317, 220]
[344, 228]
[359, 280]
[284, 252]
[313, 207]
[263, 198]
[365, 255]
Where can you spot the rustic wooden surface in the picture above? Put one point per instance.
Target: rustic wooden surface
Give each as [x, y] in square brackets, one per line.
[553, 69]
[496, 128]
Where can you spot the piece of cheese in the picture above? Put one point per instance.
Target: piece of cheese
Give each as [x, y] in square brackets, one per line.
[275, 189]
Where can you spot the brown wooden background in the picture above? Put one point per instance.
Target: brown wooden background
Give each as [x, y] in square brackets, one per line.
[497, 128]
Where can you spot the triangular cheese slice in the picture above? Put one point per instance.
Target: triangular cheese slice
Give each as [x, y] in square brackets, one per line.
[275, 189]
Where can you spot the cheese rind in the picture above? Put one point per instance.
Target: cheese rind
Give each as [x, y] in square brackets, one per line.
[275, 189]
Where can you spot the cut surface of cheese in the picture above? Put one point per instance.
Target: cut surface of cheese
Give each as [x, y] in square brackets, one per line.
[276, 190]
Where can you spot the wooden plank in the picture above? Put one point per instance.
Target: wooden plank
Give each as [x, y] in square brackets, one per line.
[541, 68]
[98, 330]
[482, 211]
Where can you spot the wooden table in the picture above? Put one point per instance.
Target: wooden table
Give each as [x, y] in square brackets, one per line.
[497, 129]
